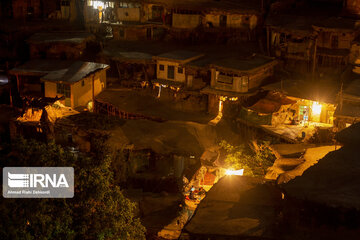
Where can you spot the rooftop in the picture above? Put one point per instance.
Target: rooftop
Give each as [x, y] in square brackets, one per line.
[243, 64]
[211, 5]
[181, 55]
[63, 37]
[306, 23]
[58, 70]
[141, 102]
[321, 91]
[138, 51]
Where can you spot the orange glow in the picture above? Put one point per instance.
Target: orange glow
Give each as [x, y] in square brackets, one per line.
[316, 108]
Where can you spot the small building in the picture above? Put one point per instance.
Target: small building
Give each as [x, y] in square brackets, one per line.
[35, 9]
[26, 9]
[237, 78]
[77, 82]
[310, 43]
[291, 38]
[59, 45]
[334, 40]
[171, 68]
[310, 102]
[129, 68]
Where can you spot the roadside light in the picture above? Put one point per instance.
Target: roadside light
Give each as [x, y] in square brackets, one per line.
[235, 172]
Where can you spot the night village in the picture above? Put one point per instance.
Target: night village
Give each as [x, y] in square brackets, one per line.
[180, 119]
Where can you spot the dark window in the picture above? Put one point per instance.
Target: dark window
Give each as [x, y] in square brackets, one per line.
[65, 3]
[63, 89]
[121, 32]
[171, 72]
[225, 79]
[180, 70]
[223, 20]
[334, 42]
[82, 83]
[157, 13]
[161, 67]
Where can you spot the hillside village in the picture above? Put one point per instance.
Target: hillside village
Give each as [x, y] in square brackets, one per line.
[181, 89]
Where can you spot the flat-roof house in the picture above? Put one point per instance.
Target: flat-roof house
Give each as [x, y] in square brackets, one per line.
[76, 81]
[237, 78]
[171, 68]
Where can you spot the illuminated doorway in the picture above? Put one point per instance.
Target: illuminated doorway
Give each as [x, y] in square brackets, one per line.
[304, 113]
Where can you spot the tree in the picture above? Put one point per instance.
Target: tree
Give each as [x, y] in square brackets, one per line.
[98, 210]
[254, 163]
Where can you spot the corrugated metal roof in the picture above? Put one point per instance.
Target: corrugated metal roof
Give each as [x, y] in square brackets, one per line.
[58, 70]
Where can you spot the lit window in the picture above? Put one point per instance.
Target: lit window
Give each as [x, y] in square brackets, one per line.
[180, 70]
[161, 67]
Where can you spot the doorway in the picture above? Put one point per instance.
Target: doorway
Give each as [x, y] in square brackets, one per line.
[171, 72]
[223, 20]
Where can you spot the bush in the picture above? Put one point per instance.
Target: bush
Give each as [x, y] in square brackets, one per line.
[98, 210]
[254, 163]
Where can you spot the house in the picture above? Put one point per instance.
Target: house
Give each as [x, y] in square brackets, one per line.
[351, 8]
[77, 82]
[27, 9]
[291, 38]
[129, 68]
[308, 44]
[309, 101]
[34, 9]
[123, 20]
[294, 110]
[213, 20]
[59, 45]
[334, 40]
[236, 78]
[171, 69]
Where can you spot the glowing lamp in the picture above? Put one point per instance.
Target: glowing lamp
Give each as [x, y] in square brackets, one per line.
[316, 108]
[98, 4]
[235, 172]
